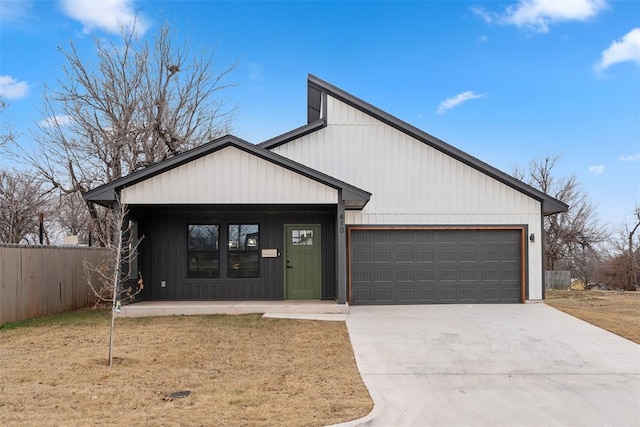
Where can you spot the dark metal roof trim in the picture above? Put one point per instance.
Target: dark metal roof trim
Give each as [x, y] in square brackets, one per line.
[106, 193]
[550, 204]
[293, 134]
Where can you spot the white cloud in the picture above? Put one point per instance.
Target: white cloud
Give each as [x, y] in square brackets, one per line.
[596, 169]
[10, 88]
[488, 17]
[107, 15]
[537, 15]
[457, 100]
[623, 50]
[14, 10]
[631, 158]
[61, 120]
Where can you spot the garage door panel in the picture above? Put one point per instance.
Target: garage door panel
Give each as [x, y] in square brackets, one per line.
[383, 276]
[424, 296]
[510, 274]
[381, 256]
[448, 295]
[361, 256]
[405, 255]
[491, 275]
[382, 295]
[424, 255]
[448, 255]
[405, 276]
[511, 295]
[448, 275]
[406, 295]
[468, 275]
[467, 236]
[490, 255]
[363, 295]
[468, 294]
[435, 266]
[361, 276]
[468, 255]
[424, 238]
[492, 294]
[423, 275]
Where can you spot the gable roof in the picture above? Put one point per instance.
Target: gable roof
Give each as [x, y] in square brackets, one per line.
[354, 198]
[316, 115]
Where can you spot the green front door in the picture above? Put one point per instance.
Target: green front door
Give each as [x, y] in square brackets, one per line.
[303, 261]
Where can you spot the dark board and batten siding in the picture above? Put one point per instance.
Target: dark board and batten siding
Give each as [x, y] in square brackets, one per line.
[164, 256]
[435, 266]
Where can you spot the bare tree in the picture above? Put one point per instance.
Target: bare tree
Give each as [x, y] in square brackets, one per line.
[22, 199]
[585, 264]
[109, 280]
[619, 268]
[6, 133]
[140, 103]
[568, 235]
[72, 217]
[633, 275]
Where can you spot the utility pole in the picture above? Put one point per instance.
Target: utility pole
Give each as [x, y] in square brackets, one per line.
[632, 265]
[41, 231]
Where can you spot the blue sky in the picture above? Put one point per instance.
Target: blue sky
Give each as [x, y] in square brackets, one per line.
[505, 81]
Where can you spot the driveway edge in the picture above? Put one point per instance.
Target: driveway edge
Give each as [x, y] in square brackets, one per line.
[367, 420]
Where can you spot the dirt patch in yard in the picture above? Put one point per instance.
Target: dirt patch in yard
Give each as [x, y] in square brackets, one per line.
[240, 370]
[615, 311]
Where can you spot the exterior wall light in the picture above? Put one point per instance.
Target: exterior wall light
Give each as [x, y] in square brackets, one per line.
[532, 237]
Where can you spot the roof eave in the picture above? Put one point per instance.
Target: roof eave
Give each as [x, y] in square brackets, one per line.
[293, 134]
[94, 195]
[105, 194]
[553, 206]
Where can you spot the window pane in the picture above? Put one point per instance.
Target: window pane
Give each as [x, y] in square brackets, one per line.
[203, 237]
[203, 256]
[244, 264]
[302, 237]
[204, 265]
[244, 237]
[244, 245]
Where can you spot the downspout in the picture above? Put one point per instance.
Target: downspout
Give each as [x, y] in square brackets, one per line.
[543, 239]
[341, 252]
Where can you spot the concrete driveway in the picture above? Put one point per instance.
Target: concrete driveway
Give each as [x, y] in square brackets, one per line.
[493, 365]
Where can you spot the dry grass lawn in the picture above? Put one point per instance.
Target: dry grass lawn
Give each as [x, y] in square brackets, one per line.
[615, 311]
[241, 370]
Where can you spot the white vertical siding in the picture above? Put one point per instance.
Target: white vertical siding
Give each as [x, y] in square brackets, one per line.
[229, 176]
[406, 177]
[411, 182]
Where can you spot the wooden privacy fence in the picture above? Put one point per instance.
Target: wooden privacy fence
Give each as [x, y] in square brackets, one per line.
[41, 280]
[559, 279]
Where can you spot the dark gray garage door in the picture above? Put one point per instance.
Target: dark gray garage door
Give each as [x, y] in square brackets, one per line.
[435, 266]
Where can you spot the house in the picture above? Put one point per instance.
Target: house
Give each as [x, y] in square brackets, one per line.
[578, 284]
[355, 206]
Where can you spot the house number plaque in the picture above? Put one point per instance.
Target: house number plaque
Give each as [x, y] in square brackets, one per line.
[269, 253]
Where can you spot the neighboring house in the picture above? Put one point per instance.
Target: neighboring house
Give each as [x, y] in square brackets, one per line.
[355, 206]
[577, 284]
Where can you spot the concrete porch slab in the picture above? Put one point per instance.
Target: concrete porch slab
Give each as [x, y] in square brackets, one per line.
[276, 308]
